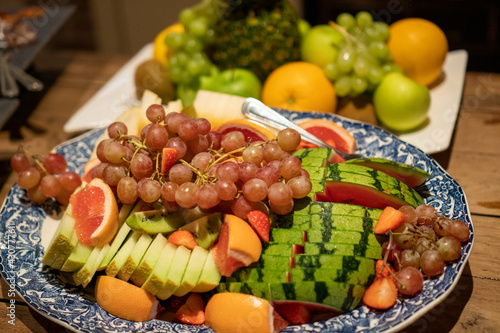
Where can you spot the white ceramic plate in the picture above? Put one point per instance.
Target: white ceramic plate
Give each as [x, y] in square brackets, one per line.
[118, 94]
[26, 229]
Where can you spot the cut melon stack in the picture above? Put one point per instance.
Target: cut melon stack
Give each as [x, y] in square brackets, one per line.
[324, 252]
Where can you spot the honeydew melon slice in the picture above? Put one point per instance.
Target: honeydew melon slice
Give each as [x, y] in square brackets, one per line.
[135, 257]
[61, 245]
[148, 262]
[193, 271]
[119, 260]
[175, 273]
[156, 280]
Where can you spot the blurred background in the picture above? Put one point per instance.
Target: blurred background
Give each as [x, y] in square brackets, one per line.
[124, 26]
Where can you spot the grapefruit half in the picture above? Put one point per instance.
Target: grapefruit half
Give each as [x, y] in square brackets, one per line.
[331, 133]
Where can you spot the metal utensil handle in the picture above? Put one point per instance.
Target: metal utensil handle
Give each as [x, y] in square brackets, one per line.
[9, 85]
[31, 83]
[256, 110]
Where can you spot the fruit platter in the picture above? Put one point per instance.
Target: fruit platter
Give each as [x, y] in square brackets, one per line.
[48, 291]
[182, 214]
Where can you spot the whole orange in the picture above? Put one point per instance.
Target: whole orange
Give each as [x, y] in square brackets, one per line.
[419, 47]
[299, 86]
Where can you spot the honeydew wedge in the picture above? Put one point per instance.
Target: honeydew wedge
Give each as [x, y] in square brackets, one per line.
[135, 257]
[157, 278]
[119, 260]
[77, 258]
[148, 262]
[193, 271]
[61, 245]
[209, 278]
[175, 273]
[121, 235]
[87, 272]
[61, 258]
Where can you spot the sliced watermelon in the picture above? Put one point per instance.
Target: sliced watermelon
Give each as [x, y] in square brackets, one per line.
[410, 175]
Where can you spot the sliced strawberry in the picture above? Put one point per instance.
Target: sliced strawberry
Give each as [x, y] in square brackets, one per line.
[390, 219]
[381, 294]
[184, 238]
[384, 270]
[193, 312]
[261, 224]
[168, 159]
[295, 313]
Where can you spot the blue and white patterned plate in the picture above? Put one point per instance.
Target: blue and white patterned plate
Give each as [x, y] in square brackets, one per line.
[26, 228]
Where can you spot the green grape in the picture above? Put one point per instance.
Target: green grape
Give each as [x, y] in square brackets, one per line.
[345, 59]
[391, 68]
[361, 66]
[193, 44]
[198, 27]
[346, 20]
[343, 86]
[363, 19]
[186, 16]
[380, 50]
[331, 71]
[358, 85]
[175, 72]
[182, 58]
[375, 75]
[373, 32]
[194, 67]
[209, 37]
[383, 29]
[175, 40]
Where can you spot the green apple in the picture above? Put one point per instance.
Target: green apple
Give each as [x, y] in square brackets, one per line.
[320, 45]
[237, 81]
[401, 103]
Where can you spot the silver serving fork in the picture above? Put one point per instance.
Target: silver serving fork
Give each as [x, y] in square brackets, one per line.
[256, 110]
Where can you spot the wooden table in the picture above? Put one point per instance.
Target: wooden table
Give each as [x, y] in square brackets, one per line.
[473, 160]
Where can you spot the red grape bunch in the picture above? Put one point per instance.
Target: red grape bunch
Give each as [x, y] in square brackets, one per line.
[423, 246]
[45, 177]
[182, 162]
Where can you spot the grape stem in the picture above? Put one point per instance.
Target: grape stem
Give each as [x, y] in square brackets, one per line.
[36, 158]
[343, 31]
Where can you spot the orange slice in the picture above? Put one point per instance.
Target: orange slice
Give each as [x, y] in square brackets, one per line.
[238, 245]
[236, 312]
[95, 212]
[125, 300]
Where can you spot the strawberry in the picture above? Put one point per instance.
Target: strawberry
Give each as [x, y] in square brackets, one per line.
[168, 159]
[184, 238]
[381, 294]
[260, 223]
[385, 271]
[193, 311]
[390, 219]
[295, 313]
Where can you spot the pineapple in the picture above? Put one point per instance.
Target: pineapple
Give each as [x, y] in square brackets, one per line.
[257, 35]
